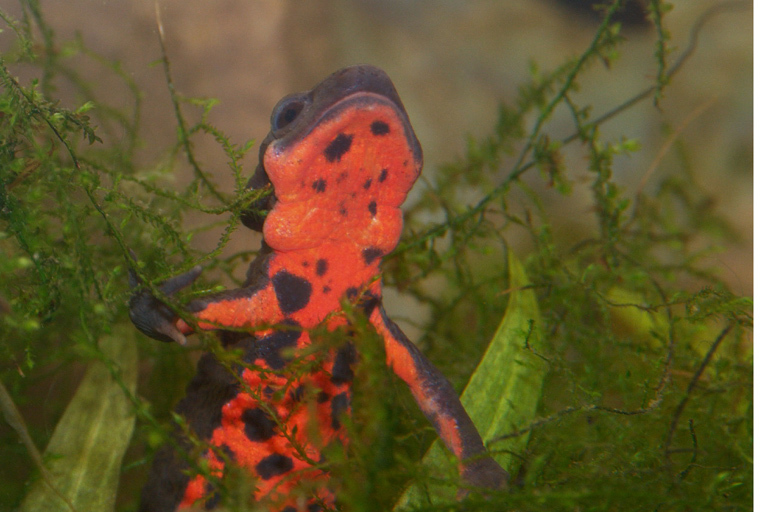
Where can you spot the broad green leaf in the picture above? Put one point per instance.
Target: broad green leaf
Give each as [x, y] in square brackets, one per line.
[502, 395]
[84, 454]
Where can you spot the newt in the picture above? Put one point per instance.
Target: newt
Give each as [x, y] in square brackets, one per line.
[340, 160]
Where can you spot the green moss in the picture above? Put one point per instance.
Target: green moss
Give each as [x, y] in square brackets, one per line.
[647, 401]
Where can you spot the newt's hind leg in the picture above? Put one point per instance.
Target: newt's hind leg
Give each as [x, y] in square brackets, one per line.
[440, 403]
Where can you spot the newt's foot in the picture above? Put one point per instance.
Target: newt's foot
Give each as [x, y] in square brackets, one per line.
[151, 316]
[484, 473]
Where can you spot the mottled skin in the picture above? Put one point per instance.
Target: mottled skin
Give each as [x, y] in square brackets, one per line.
[341, 159]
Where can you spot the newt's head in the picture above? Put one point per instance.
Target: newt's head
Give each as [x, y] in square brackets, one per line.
[342, 158]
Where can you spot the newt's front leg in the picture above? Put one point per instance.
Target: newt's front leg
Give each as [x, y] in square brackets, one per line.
[256, 304]
[440, 403]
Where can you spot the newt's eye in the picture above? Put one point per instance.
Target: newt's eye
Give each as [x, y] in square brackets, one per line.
[287, 110]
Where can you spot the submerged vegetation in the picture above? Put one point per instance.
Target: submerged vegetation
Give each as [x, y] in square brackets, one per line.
[643, 354]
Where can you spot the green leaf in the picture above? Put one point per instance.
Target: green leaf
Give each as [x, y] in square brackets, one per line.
[84, 454]
[503, 394]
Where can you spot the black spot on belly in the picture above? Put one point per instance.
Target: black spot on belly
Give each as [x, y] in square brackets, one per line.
[225, 454]
[379, 128]
[369, 302]
[297, 393]
[274, 465]
[338, 147]
[372, 208]
[293, 292]
[343, 365]
[212, 502]
[367, 183]
[319, 185]
[258, 425]
[351, 293]
[383, 175]
[371, 253]
[321, 267]
[270, 348]
[339, 406]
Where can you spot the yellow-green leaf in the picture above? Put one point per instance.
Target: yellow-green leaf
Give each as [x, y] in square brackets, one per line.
[84, 454]
[503, 394]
